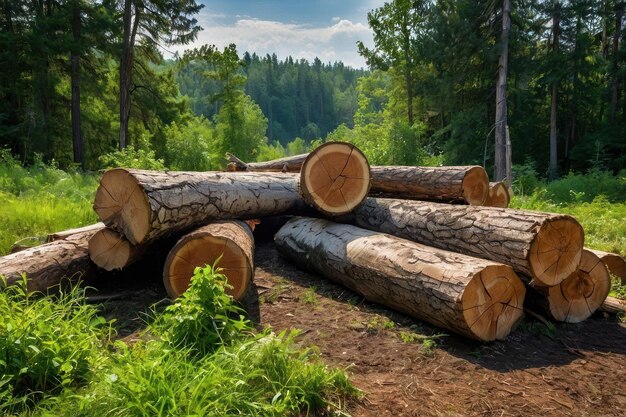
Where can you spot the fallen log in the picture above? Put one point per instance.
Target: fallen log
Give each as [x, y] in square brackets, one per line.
[546, 247]
[66, 233]
[49, 265]
[498, 195]
[614, 306]
[614, 262]
[110, 250]
[578, 296]
[467, 184]
[145, 205]
[335, 178]
[230, 242]
[476, 298]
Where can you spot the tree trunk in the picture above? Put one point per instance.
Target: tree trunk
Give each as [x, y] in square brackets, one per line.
[77, 138]
[501, 105]
[619, 12]
[546, 247]
[335, 178]
[229, 244]
[144, 205]
[554, 103]
[614, 262]
[476, 298]
[498, 195]
[126, 68]
[110, 250]
[578, 296]
[49, 265]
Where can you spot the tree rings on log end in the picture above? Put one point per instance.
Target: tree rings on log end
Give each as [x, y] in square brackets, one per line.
[556, 251]
[614, 262]
[475, 186]
[230, 242]
[493, 302]
[121, 204]
[578, 296]
[335, 178]
[110, 250]
[498, 195]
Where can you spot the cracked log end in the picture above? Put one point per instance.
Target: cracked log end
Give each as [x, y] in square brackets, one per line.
[475, 186]
[493, 302]
[577, 297]
[121, 204]
[110, 250]
[498, 195]
[335, 178]
[556, 251]
[230, 242]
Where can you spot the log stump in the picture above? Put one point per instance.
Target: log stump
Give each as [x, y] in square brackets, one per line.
[229, 241]
[476, 298]
[335, 178]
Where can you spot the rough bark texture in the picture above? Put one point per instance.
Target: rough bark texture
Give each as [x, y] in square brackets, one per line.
[64, 234]
[287, 164]
[230, 241]
[144, 205]
[554, 103]
[47, 266]
[335, 178]
[110, 250]
[578, 296]
[614, 306]
[498, 195]
[614, 262]
[501, 104]
[473, 297]
[467, 184]
[547, 247]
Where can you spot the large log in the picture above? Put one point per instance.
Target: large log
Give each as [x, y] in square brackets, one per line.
[335, 178]
[498, 195]
[546, 247]
[476, 298]
[230, 242]
[614, 262]
[145, 205]
[49, 265]
[578, 296]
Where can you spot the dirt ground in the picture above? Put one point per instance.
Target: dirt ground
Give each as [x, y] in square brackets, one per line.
[408, 368]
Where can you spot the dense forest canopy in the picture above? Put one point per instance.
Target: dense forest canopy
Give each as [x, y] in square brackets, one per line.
[86, 82]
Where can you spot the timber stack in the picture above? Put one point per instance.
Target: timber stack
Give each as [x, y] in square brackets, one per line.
[436, 243]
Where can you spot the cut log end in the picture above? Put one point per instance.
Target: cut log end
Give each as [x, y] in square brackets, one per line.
[577, 297]
[205, 247]
[498, 195]
[120, 200]
[475, 186]
[614, 262]
[335, 178]
[556, 251]
[110, 250]
[493, 302]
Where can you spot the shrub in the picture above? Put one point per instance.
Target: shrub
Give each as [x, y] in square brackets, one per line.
[132, 158]
[189, 145]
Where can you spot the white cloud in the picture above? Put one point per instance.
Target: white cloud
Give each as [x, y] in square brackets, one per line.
[335, 42]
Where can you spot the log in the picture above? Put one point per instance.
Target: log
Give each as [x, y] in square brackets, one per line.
[546, 247]
[48, 265]
[145, 205]
[229, 241]
[335, 178]
[498, 195]
[578, 296]
[476, 298]
[613, 305]
[614, 262]
[66, 233]
[287, 164]
[110, 250]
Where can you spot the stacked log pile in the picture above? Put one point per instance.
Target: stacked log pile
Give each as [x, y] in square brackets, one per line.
[436, 243]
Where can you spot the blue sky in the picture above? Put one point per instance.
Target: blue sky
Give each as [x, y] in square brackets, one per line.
[303, 29]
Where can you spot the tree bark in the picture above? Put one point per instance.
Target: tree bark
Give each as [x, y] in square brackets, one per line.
[578, 296]
[501, 104]
[77, 138]
[546, 247]
[287, 164]
[554, 102]
[619, 12]
[145, 205]
[229, 244]
[64, 234]
[614, 306]
[476, 298]
[49, 265]
[614, 262]
[131, 24]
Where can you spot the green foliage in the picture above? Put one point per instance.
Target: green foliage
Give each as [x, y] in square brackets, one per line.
[270, 151]
[379, 323]
[190, 146]
[618, 290]
[46, 344]
[132, 158]
[309, 296]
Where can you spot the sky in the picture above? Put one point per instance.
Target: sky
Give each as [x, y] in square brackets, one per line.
[303, 29]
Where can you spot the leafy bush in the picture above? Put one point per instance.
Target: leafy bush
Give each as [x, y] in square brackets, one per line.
[189, 145]
[132, 158]
[585, 188]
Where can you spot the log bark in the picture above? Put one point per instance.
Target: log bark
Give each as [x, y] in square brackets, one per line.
[287, 164]
[578, 296]
[614, 306]
[64, 234]
[476, 298]
[546, 247]
[49, 265]
[230, 242]
[145, 205]
[614, 262]
[335, 178]
[110, 250]
[498, 195]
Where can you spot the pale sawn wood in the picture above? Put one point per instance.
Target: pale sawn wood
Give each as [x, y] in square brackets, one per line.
[110, 250]
[498, 195]
[476, 298]
[614, 262]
